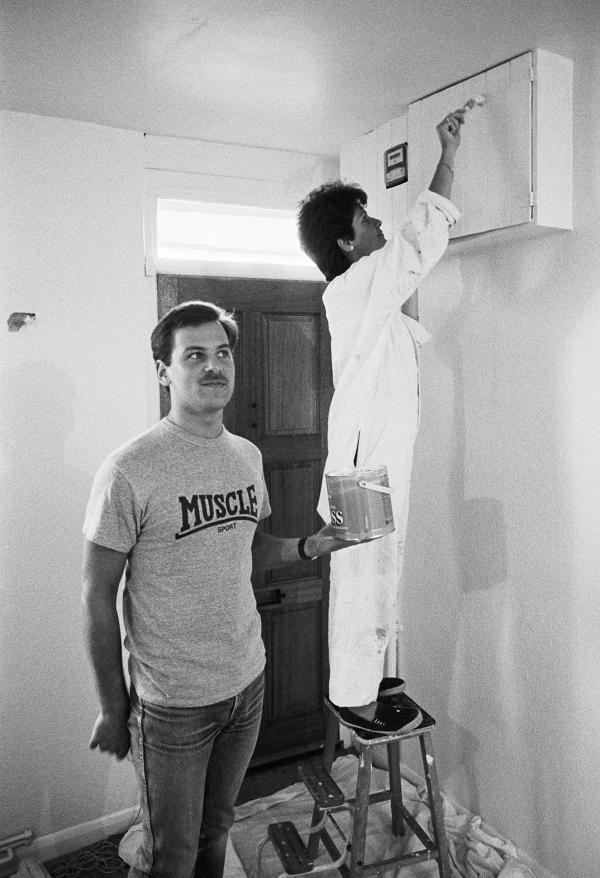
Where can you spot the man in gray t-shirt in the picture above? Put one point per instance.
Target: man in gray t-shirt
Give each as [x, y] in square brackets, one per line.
[176, 510]
[187, 529]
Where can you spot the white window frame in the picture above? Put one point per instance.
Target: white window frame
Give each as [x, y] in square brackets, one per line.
[154, 265]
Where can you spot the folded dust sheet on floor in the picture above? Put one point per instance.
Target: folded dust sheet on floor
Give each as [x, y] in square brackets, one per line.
[474, 849]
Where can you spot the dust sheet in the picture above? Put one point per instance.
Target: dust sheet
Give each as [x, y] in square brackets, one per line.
[475, 851]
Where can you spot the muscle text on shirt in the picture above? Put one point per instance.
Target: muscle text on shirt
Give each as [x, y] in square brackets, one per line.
[207, 510]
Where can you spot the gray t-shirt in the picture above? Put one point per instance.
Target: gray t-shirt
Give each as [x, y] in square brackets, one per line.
[185, 510]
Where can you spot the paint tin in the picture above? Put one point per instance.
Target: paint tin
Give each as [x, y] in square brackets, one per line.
[360, 503]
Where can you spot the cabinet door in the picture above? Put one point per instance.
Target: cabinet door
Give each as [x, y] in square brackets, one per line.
[493, 171]
[281, 402]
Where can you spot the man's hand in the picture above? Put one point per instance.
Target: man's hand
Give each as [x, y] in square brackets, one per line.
[270, 552]
[111, 735]
[449, 131]
[324, 542]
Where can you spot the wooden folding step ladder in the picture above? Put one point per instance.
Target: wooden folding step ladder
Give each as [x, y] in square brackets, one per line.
[298, 858]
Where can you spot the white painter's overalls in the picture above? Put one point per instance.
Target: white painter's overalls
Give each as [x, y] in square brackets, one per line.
[375, 409]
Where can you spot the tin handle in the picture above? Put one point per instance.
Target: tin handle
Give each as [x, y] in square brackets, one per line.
[381, 489]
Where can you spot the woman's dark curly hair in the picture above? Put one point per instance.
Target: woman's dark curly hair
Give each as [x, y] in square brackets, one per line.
[324, 216]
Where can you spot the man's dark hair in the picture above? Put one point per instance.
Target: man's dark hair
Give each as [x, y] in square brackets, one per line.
[324, 216]
[189, 314]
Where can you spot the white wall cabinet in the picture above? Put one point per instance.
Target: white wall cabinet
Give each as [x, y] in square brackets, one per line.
[514, 167]
[515, 162]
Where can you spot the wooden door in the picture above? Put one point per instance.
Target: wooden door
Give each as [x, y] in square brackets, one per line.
[281, 401]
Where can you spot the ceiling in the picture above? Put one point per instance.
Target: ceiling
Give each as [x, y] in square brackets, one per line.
[305, 75]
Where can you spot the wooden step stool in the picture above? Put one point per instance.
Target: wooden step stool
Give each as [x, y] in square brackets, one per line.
[298, 858]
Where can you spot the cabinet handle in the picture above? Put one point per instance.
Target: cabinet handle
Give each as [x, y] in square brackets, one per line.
[276, 602]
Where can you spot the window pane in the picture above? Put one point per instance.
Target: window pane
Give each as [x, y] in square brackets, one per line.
[227, 233]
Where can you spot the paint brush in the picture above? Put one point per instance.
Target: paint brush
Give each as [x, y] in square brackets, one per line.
[476, 101]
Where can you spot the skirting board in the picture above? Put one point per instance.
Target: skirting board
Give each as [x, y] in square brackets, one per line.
[56, 844]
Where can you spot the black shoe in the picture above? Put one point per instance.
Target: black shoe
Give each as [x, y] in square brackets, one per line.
[390, 686]
[382, 719]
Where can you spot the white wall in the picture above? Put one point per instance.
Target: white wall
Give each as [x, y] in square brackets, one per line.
[500, 597]
[502, 605]
[75, 384]
[73, 387]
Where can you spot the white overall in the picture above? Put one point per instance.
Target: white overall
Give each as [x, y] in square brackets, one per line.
[375, 409]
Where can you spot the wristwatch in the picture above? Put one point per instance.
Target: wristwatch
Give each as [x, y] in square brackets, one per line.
[302, 552]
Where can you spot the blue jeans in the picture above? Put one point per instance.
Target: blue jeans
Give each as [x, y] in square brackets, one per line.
[190, 763]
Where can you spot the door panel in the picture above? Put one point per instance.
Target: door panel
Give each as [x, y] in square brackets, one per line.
[291, 696]
[293, 710]
[281, 401]
[291, 403]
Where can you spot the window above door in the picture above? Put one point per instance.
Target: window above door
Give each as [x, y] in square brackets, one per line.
[195, 237]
